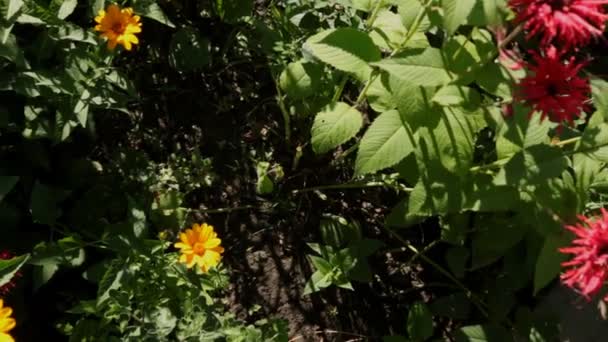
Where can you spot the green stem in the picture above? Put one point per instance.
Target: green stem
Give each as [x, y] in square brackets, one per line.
[340, 89]
[412, 29]
[355, 185]
[567, 141]
[472, 297]
[363, 92]
[221, 210]
[374, 15]
[286, 116]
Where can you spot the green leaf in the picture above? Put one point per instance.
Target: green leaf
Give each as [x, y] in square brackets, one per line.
[7, 183]
[521, 132]
[150, 9]
[162, 319]
[494, 237]
[8, 268]
[420, 67]
[66, 8]
[112, 279]
[409, 10]
[8, 8]
[453, 95]
[264, 184]
[535, 164]
[44, 203]
[548, 264]
[317, 281]
[11, 51]
[457, 258]
[346, 49]
[338, 232]
[455, 13]
[189, 51]
[483, 333]
[384, 144]
[388, 31]
[231, 11]
[419, 322]
[334, 126]
[67, 251]
[488, 13]
[594, 141]
[456, 306]
[300, 80]
[599, 91]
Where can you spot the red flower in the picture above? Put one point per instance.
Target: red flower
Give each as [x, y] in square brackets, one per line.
[570, 22]
[589, 267]
[8, 287]
[554, 87]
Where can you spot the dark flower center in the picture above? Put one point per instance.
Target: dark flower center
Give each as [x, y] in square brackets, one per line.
[118, 27]
[552, 90]
[557, 5]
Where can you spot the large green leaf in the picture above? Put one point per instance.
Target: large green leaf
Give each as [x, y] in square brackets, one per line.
[533, 165]
[346, 49]
[6, 185]
[384, 144]
[520, 132]
[455, 13]
[299, 80]
[388, 30]
[8, 8]
[232, 11]
[334, 126]
[9, 267]
[44, 203]
[150, 9]
[420, 67]
[548, 264]
[66, 8]
[419, 322]
[189, 51]
[483, 333]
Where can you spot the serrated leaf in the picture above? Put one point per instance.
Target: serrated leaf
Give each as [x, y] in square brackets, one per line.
[10, 8]
[300, 80]
[66, 8]
[8, 267]
[112, 279]
[548, 264]
[44, 203]
[388, 31]
[232, 11]
[453, 95]
[419, 322]
[420, 67]
[334, 126]
[150, 9]
[7, 183]
[317, 281]
[346, 49]
[483, 333]
[384, 144]
[455, 13]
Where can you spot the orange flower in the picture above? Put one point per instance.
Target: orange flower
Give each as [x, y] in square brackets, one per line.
[6, 323]
[118, 26]
[201, 246]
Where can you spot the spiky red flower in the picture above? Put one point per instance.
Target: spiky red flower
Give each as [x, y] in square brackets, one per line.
[8, 287]
[589, 267]
[553, 87]
[572, 23]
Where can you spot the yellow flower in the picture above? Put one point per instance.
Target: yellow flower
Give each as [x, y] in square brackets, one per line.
[200, 246]
[118, 26]
[6, 323]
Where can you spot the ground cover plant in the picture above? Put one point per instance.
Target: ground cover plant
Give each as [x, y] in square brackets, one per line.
[300, 170]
